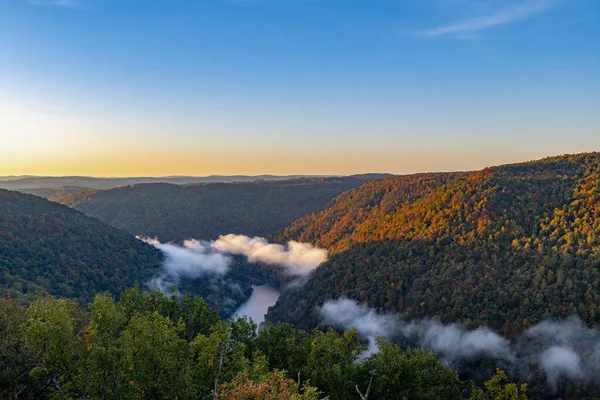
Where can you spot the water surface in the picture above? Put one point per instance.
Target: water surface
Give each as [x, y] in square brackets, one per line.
[257, 305]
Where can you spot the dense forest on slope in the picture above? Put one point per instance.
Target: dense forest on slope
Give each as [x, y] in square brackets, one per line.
[504, 247]
[54, 194]
[47, 247]
[205, 211]
[148, 346]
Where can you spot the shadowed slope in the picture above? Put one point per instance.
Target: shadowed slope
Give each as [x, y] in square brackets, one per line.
[205, 211]
[51, 248]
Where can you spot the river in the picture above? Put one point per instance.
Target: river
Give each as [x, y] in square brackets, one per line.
[259, 302]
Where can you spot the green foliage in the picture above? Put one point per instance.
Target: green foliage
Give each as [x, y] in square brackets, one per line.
[106, 355]
[15, 357]
[411, 374]
[152, 355]
[286, 348]
[52, 249]
[497, 389]
[54, 333]
[140, 347]
[505, 247]
[331, 362]
[243, 330]
[205, 211]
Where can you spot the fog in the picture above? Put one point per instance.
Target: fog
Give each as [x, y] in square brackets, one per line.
[298, 259]
[564, 348]
[203, 259]
[192, 260]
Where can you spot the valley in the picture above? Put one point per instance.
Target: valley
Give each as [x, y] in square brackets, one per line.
[300, 200]
[171, 212]
[488, 259]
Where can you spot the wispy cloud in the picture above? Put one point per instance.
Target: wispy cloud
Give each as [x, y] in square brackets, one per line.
[513, 12]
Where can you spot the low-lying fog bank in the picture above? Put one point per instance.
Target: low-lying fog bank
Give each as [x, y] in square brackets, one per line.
[563, 350]
[197, 259]
[235, 274]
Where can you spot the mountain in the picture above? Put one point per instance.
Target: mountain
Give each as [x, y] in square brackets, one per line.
[206, 211]
[504, 247]
[54, 194]
[50, 248]
[22, 183]
[15, 177]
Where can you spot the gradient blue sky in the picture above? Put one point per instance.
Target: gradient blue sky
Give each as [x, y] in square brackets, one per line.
[163, 87]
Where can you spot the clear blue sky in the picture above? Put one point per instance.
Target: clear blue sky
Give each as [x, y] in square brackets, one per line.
[160, 87]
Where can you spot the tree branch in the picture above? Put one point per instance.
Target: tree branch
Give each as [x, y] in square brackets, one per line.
[366, 395]
[59, 389]
[20, 391]
[216, 389]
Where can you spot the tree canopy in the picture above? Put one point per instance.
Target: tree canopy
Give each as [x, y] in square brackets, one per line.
[504, 247]
[206, 211]
[49, 248]
[148, 346]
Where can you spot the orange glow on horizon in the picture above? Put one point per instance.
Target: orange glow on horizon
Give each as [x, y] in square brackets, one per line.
[231, 162]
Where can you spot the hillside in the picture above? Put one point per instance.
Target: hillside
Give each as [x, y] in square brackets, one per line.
[54, 194]
[504, 247]
[49, 248]
[205, 211]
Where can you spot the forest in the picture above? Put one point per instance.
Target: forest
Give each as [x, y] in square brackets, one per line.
[146, 345]
[49, 248]
[505, 247]
[204, 211]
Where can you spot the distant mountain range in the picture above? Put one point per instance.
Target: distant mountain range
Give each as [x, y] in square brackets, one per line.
[45, 182]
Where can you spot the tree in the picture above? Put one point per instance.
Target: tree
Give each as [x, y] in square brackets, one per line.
[155, 358]
[414, 374]
[257, 382]
[286, 348]
[217, 357]
[15, 359]
[331, 362]
[497, 389]
[54, 333]
[107, 323]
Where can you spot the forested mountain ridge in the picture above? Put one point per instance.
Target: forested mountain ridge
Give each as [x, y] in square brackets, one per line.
[504, 247]
[206, 211]
[54, 194]
[47, 247]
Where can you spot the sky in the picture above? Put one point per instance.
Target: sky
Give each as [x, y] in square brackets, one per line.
[200, 87]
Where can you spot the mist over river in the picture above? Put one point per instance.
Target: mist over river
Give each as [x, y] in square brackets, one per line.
[257, 305]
